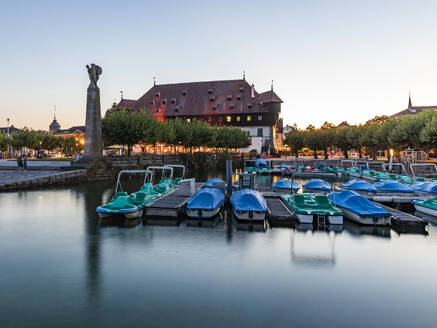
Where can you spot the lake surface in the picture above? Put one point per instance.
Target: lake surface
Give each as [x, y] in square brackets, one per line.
[60, 268]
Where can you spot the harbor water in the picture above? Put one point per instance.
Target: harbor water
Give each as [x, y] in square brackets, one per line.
[60, 268]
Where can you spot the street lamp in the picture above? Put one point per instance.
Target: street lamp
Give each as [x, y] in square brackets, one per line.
[9, 147]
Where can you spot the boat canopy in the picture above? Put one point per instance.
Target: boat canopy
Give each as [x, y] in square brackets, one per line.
[357, 204]
[317, 184]
[389, 185]
[429, 203]
[286, 184]
[248, 200]
[210, 182]
[426, 186]
[283, 166]
[358, 184]
[206, 199]
[260, 162]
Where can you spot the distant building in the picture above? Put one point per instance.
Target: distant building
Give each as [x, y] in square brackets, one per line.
[12, 129]
[229, 102]
[411, 110]
[77, 132]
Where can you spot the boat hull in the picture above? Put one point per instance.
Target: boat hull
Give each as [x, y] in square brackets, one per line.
[307, 218]
[249, 216]
[203, 214]
[426, 210]
[363, 219]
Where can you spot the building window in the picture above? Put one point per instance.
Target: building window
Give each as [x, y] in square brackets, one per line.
[260, 117]
[188, 120]
[228, 118]
[249, 118]
[238, 118]
[260, 132]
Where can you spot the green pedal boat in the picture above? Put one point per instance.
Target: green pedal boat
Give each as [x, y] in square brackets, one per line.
[307, 207]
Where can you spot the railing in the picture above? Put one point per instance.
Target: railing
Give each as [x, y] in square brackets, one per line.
[425, 172]
[384, 167]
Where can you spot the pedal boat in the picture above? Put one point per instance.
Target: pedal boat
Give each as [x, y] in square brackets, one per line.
[205, 203]
[248, 205]
[359, 209]
[428, 206]
[307, 207]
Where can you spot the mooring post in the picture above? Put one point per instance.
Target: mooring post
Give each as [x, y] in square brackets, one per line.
[229, 176]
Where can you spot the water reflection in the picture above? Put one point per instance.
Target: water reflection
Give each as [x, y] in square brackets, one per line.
[313, 248]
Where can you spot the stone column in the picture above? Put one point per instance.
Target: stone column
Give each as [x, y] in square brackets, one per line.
[93, 125]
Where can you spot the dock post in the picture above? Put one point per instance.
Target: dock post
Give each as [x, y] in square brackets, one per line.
[229, 176]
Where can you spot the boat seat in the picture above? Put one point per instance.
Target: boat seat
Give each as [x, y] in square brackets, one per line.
[121, 193]
[322, 201]
[139, 197]
[299, 200]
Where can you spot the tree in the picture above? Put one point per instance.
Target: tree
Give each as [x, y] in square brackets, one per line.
[326, 137]
[311, 140]
[367, 138]
[342, 140]
[428, 135]
[49, 142]
[25, 138]
[5, 142]
[70, 146]
[127, 128]
[354, 136]
[295, 140]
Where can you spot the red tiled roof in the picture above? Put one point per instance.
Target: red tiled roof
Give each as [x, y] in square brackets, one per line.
[202, 98]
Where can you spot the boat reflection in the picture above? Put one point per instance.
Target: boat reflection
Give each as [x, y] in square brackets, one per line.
[358, 230]
[313, 248]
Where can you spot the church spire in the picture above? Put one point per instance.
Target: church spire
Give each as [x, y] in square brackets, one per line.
[409, 101]
[54, 112]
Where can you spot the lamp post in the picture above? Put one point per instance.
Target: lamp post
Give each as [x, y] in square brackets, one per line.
[9, 147]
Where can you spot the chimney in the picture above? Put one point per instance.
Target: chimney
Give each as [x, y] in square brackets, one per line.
[252, 91]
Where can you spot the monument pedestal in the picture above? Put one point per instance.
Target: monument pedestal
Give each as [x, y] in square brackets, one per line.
[93, 126]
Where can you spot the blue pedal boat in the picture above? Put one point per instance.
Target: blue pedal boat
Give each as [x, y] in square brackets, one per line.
[359, 185]
[285, 185]
[359, 209]
[384, 186]
[248, 205]
[205, 203]
[316, 185]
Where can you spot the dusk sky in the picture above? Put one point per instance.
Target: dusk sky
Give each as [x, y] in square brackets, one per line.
[330, 60]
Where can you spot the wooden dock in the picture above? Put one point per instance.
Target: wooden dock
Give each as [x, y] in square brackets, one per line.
[404, 219]
[278, 213]
[168, 206]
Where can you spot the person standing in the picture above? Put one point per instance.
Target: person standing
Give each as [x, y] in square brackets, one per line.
[24, 162]
[18, 162]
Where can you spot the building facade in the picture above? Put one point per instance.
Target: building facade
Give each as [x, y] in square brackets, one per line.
[411, 110]
[76, 132]
[229, 102]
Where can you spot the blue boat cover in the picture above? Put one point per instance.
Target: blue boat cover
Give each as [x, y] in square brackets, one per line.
[260, 162]
[426, 186]
[390, 185]
[211, 181]
[283, 166]
[357, 204]
[206, 199]
[286, 184]
[317, 184]
[248, 200]
[357, 184]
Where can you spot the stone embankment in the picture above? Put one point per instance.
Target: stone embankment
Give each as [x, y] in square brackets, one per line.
[12, 180]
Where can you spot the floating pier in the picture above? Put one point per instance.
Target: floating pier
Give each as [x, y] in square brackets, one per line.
[404, 219]
[277, 210]
[168, 206]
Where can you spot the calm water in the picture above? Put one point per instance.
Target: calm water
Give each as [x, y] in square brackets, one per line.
[59, 268]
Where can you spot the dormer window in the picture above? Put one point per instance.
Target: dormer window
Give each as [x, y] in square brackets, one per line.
[231, 106]
[211, 98]
[158, 94]
[184, 92]
[250, 105]
[214, 107]
[211, 91]
[164, 101]
[229, 97]
[176, 109]
[241, 89]
[238, 97]
[173, 100]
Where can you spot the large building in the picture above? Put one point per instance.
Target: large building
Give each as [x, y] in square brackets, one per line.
[411, 110]
[229, 102]
[77, 132]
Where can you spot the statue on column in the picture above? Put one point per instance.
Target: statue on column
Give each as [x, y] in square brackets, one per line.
[94, 72]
